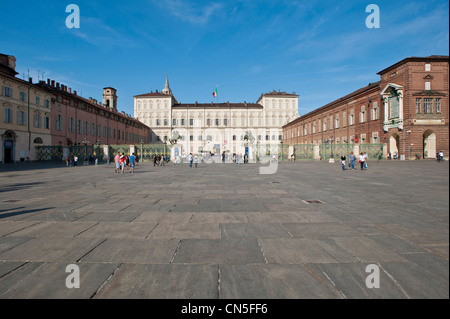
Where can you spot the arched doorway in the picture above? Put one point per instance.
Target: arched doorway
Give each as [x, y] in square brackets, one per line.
[8, 146]
[394, 145]
[429, 144]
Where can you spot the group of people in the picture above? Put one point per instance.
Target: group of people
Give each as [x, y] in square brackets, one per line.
[363, 157]
[159, 160]
[123, 161]
[73, 161]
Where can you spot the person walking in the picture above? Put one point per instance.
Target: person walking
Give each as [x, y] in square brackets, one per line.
[195, 160]
[361, 160]
[365, 159]
[154, 160]
[343, 161]
[352, 159]
[132, 162]
[117, 162]
[122, 162]
[441, 156]
[191, 158]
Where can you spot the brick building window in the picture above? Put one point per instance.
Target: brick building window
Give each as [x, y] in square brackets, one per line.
[427, 86]
[375, 111]
[427, 106]
[418, 105]
[438, 106]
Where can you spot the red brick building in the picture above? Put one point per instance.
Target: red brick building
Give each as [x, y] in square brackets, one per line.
[76, 120]
[407, 111]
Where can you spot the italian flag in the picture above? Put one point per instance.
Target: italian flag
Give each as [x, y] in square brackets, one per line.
[215, 93]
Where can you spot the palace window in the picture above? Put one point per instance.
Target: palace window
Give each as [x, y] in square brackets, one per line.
[37, 122]
[427, 86]
[59, 123]
[427, 106]
[7, 91]
[438, 106]
[174, 122]
[22, 96]
[375, 111]
[418, 105]
[21, 118]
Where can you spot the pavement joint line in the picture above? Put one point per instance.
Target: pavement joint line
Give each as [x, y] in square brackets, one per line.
[87, 253]
[106, 281]
[176, 250]
[85, 230]
[340, 291]
[394, 280]
[37, 222]
[13, 270]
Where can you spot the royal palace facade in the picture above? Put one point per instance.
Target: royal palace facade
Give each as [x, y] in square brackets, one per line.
[216, 127]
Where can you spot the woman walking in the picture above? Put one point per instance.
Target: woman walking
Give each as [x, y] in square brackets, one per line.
[361, 160]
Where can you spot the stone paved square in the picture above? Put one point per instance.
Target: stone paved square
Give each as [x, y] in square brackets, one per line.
[225, 231]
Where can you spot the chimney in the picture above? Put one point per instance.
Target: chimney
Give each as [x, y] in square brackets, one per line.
[57, 85]
[75, 92]
[12, 62]
[48, 81]
[70, 90]
[53, 83]
[30, 80]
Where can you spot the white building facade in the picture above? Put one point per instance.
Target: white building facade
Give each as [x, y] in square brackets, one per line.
[216, 127]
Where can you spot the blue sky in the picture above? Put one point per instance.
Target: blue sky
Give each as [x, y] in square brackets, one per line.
[322, 50]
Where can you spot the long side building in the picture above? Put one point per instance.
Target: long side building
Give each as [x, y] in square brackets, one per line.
[406, 110]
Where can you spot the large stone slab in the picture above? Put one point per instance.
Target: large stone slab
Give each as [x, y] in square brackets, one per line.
[350, 280]
[118, 230]
[137, 281]
[159, 251]
[219, 251]
[303, 250]
[187, 230]
[319, 230]
[272, 282]
[253, 231]
[50, 250]
[416, 282]
[52, 229]
[367, 250]
[48, 281]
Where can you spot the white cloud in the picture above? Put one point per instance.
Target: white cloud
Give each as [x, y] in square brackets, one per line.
[187, 11]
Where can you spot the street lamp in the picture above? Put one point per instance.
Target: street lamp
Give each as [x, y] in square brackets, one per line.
[142, 146]
[85, 142]
[332, 140]
[98, 151]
